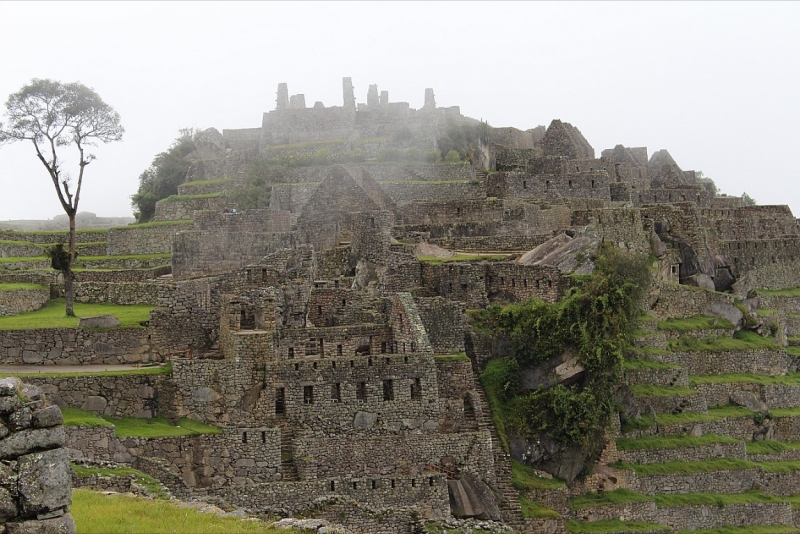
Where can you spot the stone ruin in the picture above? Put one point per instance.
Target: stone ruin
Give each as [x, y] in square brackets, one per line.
[35, 475]
[337, 359]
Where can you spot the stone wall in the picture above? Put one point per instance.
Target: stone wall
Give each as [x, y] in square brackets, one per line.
[144, 239]
[21, 249]
[51, 238]
[73, 346]
[181, 209]
[115, 396]
[405, 192]
[680, 301]
[760, 361]
[35, 486]
[124, 293]
[23, 300]
[204, 187]
[492, 243]
[444, 322]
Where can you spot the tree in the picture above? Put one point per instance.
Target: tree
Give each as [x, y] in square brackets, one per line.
[166, 172]
[747, 200]
[55, 116]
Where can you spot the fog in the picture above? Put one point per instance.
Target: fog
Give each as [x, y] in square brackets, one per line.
[714, 83]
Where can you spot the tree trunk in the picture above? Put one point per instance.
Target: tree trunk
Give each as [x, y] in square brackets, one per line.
[69, 290]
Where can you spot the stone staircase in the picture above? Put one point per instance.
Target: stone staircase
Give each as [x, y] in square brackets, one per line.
[159, 470]
[288, 467]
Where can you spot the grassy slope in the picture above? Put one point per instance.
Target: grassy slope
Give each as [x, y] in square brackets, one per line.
[52, 315]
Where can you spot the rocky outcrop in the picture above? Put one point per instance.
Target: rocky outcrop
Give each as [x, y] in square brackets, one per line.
[35, 476]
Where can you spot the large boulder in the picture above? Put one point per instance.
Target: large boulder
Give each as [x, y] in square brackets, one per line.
[471, 498]
[98, 321]
[562, 369]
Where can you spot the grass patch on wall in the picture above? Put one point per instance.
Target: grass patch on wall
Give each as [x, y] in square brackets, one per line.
[152, 370]
[741, 340]
[457, 357]
[152, 485]
[525, 478]
[78, 417]
[52, 315]
[681, 467]
[536, 510]
[433, 260]
[716, 413]
[791, 292]
[648, 364]
[607, 498]
[160, 256]
[23, 259]
[158, 427]
[95, 513]
[670, 442]
[154, 224]
[769, 529]
[20, 286]
[647, 390]
[208, 182]
[612, 525]
[180, 198]
[697, 322]
[771, 447]
[791, 379]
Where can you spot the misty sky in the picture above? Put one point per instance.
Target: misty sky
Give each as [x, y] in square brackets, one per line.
[715, 83]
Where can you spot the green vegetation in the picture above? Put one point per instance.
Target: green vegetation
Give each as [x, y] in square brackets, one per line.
[791, 292]
[524, 478]
[142, 257]
[17, 287]
[741, 340]
[610, 526]
[159, 427]
[152, 485]
[95, 513]
[770, 529]
[714, 414]
[153, 224]
[670, 442]
[785, 412]
[52, 315]
[461, 257]
[152, 370]
[595, 322]
[791, 379]
[23, 259]
[646, 390]
[64, 233]
[607, 498]
[78, 417]
[697, 322]
[178, 198]
[457, 357]
[162, 177]
[462, 139]
[532, 509]
[16, 243]
[681, 467]
[208, 182]
[771, 447]
[648, 364]
[493, 380]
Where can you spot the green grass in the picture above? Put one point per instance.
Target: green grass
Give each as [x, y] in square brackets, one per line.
[18, 243]
[19, 286]
[154, 370]
[715, 499]
[95, 513]
[741, 340]
[208, 182]
[697, 322]
[78, 417]
[681, 467]
[159, 427]
[792, 292]
[670, 442]
[161, 256]
[611, 525]
[457, 357]
[152, 485]
[714, 414]
[23, 259]
[524, 478]
[607, 498]
[771, 447]
[492, 380]
[792, 379]
[179, 198]
[52, 315]
[535, 510]
[785, 412]
[61, 232]
[154, 224]
[771, 529]
[648, 364]
[433, 260]
[646, 390]
[793, 351]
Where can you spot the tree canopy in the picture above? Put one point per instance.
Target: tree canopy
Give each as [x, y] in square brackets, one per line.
[54, 116]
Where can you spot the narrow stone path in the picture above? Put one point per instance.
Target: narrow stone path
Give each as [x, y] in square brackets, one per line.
[66, 369]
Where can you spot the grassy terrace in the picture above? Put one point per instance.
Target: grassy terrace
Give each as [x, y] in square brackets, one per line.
[95, 513]
[612, 525]
[154, 370]
[461, 257]
[534, 510]
[770, 447]
[792, 292]
[697, 322]
[16, 287]
[670, 442]
[649, 364]
[152, 485]
[135, 427]
[662, 391]
[791, 379]
[624, 496]
[714, 414]
[708, 466]
[59, 232]
[741, 340]
[524, 478]
[208, 182]
[457, 357]
[22, 259]
[178, 198]
[154, 224]
[52, 315]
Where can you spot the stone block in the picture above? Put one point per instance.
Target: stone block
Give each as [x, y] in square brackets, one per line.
[59, 525]
[31, 357]
[44, 481]
[94, 403]
[98, 321]
[21, 442]
[8, 507]
[8, 386]
[48, 417]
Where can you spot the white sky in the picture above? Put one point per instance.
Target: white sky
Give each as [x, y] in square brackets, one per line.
[715, 83]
